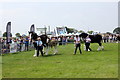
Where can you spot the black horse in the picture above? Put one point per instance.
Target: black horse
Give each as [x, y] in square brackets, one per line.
[47, 42]
[118, 37]
[34, 37]
[94, 39]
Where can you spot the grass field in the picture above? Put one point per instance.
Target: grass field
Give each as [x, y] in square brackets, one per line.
[0, 67]
[102, 64]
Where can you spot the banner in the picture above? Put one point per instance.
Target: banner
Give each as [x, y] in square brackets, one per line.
[54, 33]
[32, 28]
[8, 32]
[0, 33]
[61, 30]
[41, 30]
[13, 48]
[23, 47]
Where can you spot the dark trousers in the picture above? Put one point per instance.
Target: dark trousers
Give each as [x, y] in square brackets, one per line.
[60, 42]
[21, 47]
[104, 40]
[26, 47]
[88, 46]
[78, 46]
[39, 48]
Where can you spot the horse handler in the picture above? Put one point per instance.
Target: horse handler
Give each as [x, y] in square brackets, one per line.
[87, 44]
[39, 46]
[77, 44]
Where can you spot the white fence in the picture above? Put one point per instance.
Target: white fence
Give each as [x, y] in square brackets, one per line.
[14, 47]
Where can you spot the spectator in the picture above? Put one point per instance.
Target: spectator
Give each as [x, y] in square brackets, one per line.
[26, 43]
[21, 43]
[64, 40]
[60, 40]
[104, 39]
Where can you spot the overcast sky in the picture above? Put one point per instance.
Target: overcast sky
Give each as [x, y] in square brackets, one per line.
[96, 16]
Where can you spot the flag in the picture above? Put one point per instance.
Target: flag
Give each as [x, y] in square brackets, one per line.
[8, 32]
[32, 28]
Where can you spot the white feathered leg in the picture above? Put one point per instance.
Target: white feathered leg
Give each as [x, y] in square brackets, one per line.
[99, 48]
[35, 53]
[43, 49]
[55, 49]
[102, 47]
[47, 50]
[88, 49]
[84, 48]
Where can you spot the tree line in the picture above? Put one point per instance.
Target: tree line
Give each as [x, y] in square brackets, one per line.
[70, 30]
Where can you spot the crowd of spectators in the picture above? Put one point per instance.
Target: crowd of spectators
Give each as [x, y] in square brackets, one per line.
[20, 42]
[63, 40]
[110, 38]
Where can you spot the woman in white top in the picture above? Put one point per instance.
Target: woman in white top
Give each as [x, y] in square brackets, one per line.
[87, 44]
[77, 44]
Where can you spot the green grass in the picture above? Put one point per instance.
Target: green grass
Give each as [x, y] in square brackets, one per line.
[95, 64]
[0, 67]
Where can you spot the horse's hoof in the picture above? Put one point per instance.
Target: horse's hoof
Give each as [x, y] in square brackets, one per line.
[44, 52]
[34, 55]
[98, 50]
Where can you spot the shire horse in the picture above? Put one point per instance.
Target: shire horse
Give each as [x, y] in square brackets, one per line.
[94, 39]
[47, 42]
[52, 43]
[118, 37]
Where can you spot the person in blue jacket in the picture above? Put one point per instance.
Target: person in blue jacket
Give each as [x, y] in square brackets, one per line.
[26, 43]
[39, 46]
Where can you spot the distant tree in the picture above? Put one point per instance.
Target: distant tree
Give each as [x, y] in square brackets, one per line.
[81, 31]
[71, 30]
[5, 34]
[117, 30]
[108, 33]
[17, 35]
[90, 32]
[75, 31]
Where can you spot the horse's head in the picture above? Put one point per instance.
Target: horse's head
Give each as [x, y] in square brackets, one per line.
[83, 36]
[34, 35]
